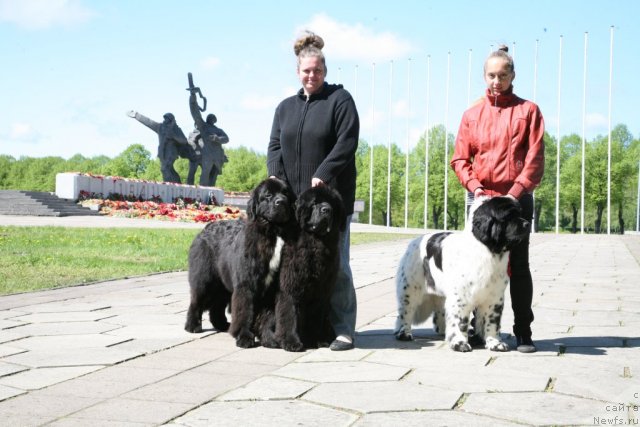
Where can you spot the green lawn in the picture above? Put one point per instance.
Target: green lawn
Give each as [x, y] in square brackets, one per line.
[33, 258]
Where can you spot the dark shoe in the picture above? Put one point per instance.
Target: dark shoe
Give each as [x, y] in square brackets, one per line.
[338, 345]
[525, 345]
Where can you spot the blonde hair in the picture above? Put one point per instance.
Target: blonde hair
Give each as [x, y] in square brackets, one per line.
[309, 45]
[501, 52]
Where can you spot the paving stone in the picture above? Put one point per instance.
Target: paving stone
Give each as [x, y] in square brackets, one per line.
[79, 316]
[148, 319]
[326, 355]
[176, 358]
[9, 323]
[131, 410]
[341, 372]
[269, 388]
[34, 379]
[10, 335]
[66, 328]
[6, 392]
[71, 357]
[262, 355]
[468, 379]
[534, 408]
[37, 406]
[67, 342]
[152, 332]
[193, 387]
[429, 418]
[64, 307]
[10, 368]
[8, 350]
[382, 396]
[270, 413]
[79, 422]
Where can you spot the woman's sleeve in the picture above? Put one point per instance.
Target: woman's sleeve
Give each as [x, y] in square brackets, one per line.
[462, 155]
[347, 127]
[274, 150]
[533, 169]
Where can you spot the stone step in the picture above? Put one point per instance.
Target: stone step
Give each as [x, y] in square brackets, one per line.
[38, 203]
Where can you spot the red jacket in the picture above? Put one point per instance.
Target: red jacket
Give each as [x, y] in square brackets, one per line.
[500, 146]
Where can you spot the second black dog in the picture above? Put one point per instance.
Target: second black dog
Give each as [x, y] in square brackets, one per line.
[308, 273]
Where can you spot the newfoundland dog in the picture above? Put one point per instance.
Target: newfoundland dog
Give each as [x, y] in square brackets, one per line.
[452, 275]
[238, 261]
[308, 273]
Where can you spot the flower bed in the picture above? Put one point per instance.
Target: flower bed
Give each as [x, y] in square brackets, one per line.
[185, 210]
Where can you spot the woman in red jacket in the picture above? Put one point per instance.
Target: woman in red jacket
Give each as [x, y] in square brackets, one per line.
[500, 152]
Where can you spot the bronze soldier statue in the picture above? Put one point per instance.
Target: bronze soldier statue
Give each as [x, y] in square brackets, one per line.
[171, 143]
[210, 137]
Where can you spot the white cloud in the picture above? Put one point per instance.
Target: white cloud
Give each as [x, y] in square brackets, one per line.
[356, 42]
[596, 122]
[42, 14]
[210, 62]
[20, 131]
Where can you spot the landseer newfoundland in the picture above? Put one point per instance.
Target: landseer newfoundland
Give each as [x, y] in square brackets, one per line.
[238, 261]
[299, 318]
[452, 275]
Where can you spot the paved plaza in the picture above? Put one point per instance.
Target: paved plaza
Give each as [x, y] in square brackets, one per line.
[115, 353]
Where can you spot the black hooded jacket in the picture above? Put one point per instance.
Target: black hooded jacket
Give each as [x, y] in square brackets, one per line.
[316, 137]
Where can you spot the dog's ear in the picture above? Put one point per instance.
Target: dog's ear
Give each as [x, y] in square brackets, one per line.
[302, 211]
[252, 204]
[497, 229]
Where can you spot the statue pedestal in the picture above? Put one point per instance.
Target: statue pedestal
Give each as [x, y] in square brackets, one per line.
[69, 185]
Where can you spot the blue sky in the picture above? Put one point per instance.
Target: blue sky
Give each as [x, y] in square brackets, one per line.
[72, 68]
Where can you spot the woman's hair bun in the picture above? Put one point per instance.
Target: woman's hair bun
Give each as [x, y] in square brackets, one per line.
[504, 48]
[309, 39]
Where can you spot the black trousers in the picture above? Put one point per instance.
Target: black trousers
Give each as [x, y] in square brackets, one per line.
[521, 286]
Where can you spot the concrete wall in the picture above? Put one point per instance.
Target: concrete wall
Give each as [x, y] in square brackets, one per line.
[69, 186]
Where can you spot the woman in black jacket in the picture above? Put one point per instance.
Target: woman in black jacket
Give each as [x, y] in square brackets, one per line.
[313, 142]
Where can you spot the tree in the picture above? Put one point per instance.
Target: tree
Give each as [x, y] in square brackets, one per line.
[571, 177]
[545, 194]
[244, 171]
[380, 180]
[131, 163]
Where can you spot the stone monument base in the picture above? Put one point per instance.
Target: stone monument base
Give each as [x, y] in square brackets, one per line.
[70, 184]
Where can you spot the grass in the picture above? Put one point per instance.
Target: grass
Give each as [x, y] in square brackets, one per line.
[35, 258]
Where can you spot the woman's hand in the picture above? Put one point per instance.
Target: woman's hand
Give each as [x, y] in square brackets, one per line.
[316, 182]
[479, 193]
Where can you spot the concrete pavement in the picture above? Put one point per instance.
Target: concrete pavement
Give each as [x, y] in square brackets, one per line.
[115, 353]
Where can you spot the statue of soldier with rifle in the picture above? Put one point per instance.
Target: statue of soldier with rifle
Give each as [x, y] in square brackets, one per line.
[209, 138]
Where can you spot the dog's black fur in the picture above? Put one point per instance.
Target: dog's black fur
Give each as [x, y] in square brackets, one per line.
[310, 266]
[238, 261]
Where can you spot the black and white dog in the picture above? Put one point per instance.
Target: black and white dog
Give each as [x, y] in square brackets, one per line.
[238, 262]
[452, 275]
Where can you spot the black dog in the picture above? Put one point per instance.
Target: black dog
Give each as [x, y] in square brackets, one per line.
[308, 273]
[238, 261]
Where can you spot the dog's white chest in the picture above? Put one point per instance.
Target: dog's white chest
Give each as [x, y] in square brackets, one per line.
[274, 263]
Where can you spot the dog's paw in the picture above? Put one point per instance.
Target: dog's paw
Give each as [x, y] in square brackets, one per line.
[495, 345]
[193, 327]
[270, 344]
[461, 346]
[245, 340]
[293, 346]
[221, 326]
[403, 336]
